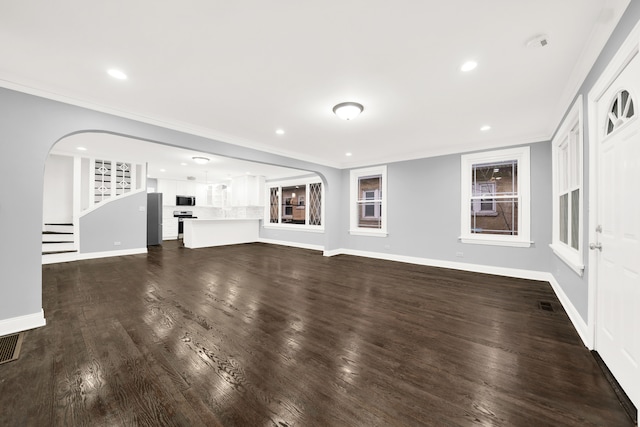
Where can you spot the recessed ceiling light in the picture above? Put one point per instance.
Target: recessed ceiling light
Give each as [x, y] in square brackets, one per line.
[348, 154]
[280, 131]
[183, 164]
[485, 128]
[200, 160]
[163, 170]
[81, 148]
[248, 173]
[117, 74]
[468, 66]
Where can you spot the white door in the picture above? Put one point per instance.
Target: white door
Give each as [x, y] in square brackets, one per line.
[618, 219]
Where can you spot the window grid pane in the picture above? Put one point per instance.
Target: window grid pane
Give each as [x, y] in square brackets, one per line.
[495, 198]
[575, 219]
[315, 204]
[564, 218]
[370, 201]
[273, 205]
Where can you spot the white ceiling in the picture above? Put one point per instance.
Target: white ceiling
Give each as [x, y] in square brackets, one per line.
[238, 70]
[168, 162]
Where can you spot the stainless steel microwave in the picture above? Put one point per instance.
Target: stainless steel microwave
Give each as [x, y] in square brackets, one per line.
[185, 200]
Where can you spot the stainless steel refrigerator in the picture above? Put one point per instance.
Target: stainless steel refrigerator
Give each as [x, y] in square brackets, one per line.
[154, 219]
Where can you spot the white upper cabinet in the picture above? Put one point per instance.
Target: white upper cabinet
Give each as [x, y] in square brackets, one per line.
[247, 190]
[168, 189]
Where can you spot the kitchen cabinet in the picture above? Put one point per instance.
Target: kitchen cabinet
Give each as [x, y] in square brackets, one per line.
[202, 194]
[186, 188]
[168, 189]
[247, 190]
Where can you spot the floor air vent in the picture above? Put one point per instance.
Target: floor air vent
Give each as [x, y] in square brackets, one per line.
[546, 306]
[10, 347]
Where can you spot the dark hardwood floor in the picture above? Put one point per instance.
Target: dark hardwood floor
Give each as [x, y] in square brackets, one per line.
[261, 335]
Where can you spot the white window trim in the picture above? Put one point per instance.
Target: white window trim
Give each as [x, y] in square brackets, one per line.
[298, 227]
[573, 258]
[522, 155]
[355, 174]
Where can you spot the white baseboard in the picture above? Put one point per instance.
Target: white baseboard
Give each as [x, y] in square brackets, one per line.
[107, 254]
[22, 323]
[292, 244]
[572, 312]
[578, 323]
[75, 256]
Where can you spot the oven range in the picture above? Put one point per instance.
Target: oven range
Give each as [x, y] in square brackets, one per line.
[181, 215]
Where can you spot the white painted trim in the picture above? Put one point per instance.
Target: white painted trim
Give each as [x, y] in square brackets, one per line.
[295, 227]
[74, 256]
[523, 156]
[578, 323]
[291, 244]
[362, 232]
[107, 254]
[569, 257]
[573, 314]
[480, 240]
[22, 323]
[593, 46]
[625, 54]
[354, 212]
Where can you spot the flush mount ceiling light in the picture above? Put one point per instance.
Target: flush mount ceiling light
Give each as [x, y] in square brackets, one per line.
[200, 160]
[280, 131]
[468, 66]
[81, 149]
[485, 128]
[348, 110]
[117, 74]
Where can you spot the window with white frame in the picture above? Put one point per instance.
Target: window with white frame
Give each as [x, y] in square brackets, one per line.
[567, 190]
[368, 191]
[495, 197]
[296, 203]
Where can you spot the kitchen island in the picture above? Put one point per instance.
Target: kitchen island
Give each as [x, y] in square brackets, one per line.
[201, 233]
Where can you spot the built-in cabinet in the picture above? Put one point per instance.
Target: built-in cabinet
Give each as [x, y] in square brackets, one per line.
[247, 190]
[241, 191]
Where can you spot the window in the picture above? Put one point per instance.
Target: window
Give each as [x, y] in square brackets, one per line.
[296, 204]
[620, 112]
[368, 201]
[495, 197]
[567, 185]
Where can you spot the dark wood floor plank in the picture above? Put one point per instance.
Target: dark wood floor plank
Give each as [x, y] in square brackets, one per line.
[257, 334]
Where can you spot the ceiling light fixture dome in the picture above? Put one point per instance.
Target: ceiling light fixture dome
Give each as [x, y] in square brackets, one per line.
[348, 110]
[200, 160]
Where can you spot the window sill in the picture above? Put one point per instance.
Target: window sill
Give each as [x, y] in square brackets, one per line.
[569, 257]
[376, 233]
[496, 242]
[295, 227]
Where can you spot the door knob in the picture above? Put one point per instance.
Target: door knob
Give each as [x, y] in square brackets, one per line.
[594, 246]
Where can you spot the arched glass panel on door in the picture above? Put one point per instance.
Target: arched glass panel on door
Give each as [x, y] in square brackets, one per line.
[622, 109]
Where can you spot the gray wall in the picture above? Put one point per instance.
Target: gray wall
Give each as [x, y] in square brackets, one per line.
[423, 215]
[29, 127]
[58, 190]
[120, 220]
[574, 286]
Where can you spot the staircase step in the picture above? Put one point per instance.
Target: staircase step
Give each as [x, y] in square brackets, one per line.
[58, 252]
[58, 228]
[57, 237]
[57, 246]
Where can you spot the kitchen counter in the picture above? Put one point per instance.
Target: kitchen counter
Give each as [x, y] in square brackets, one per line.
[201, 233]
